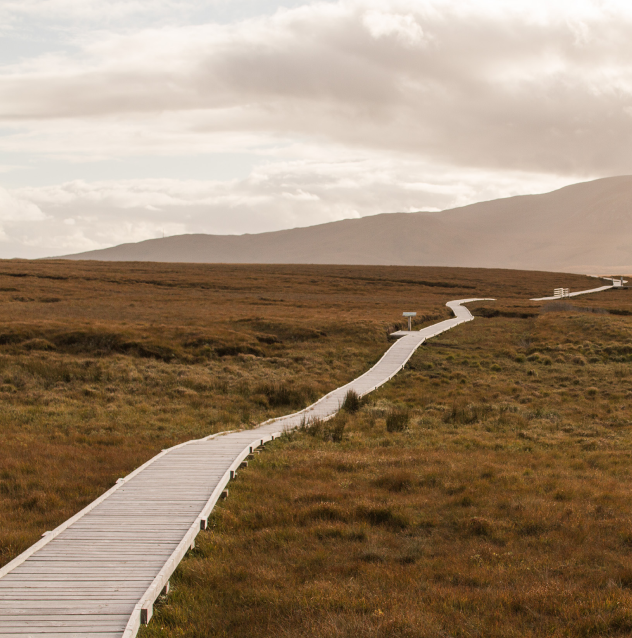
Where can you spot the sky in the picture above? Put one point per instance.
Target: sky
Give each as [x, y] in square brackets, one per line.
[125, 120]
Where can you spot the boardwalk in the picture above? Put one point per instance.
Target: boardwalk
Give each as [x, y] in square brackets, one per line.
[99, 573]
[615, 284]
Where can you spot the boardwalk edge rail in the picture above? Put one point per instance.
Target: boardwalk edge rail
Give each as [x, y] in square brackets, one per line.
[144, 609]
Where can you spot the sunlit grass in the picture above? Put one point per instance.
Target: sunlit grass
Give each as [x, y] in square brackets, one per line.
[501, 509]
[496, 505]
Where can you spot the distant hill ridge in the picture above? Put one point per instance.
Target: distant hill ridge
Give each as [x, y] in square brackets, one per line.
[583, 228]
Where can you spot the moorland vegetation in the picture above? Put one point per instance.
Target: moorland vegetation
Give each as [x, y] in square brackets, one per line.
[482, 492]
[499, 505]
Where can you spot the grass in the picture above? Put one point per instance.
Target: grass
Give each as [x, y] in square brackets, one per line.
[397, 420]
[103, 364]
[501, 510]
[352, 402]
[500, 507]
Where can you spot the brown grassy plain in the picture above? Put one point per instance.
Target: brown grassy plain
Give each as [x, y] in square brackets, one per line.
[503, 508]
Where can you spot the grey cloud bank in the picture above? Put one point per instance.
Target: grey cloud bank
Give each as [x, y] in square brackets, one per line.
[351, 108]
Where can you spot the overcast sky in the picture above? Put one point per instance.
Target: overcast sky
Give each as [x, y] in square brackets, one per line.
[121, 120]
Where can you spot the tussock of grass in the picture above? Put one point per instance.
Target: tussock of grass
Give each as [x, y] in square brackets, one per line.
[461, 413]
[397, 420]
[285, 394]
[396, 481]
[352, 402]
[327, 430]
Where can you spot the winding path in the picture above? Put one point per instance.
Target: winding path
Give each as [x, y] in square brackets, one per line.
[98, 574]
[616, 283]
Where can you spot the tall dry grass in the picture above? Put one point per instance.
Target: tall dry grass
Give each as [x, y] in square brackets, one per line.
[103, 364]
[502, 509]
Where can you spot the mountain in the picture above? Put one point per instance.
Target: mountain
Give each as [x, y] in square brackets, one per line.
[583, 228]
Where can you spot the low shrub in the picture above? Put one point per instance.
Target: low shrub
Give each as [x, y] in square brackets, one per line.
[331, 430]
[335, 428]
[464, 414]
[352, 402]
[398, 481]
[232, 351]
[477, 526]
[383, 516]
[397, 420]
[313, 427]
[283, 394]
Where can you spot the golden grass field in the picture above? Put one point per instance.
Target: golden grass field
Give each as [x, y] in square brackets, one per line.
[501, 509]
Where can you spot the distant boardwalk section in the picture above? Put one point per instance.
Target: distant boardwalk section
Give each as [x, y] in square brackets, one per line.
[615, 284]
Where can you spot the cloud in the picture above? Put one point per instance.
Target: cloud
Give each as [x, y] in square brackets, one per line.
[531, 86]
[14, 12]
[352, 107]
[404, 27]
[16, 215]
[83, 216]
[13, 208]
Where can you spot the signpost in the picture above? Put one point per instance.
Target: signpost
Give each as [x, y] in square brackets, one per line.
[561, 292]
[410, 316]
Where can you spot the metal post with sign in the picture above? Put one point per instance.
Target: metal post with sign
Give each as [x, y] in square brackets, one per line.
[410, 316]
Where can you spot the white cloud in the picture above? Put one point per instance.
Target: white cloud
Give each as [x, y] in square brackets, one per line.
[531, 86]
[14, 208]
[404, 27]
[358, 107]
[82, 216]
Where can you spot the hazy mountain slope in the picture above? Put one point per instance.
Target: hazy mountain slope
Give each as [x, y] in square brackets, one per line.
[581, 228]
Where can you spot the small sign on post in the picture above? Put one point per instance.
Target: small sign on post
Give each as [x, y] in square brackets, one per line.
[561, 292]
[410, 316]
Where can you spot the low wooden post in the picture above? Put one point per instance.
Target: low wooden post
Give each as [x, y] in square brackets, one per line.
[146, 613]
